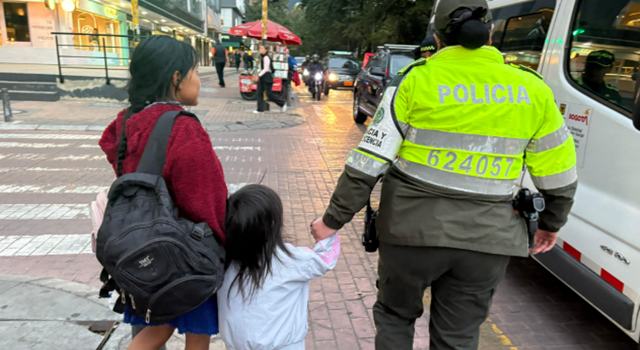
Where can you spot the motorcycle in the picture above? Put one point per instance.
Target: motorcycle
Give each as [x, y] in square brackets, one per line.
[317, 86]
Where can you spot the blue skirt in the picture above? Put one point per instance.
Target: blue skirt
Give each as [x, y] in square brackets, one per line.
[201, 320]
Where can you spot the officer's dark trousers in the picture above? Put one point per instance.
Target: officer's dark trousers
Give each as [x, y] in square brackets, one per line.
[462, 284]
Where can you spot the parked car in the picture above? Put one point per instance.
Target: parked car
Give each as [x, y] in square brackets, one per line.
[341, 72]
[373, 79]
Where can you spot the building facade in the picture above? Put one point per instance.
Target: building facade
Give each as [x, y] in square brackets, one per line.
[26, 27]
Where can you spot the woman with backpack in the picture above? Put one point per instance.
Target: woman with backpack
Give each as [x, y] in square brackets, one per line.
[164, 78]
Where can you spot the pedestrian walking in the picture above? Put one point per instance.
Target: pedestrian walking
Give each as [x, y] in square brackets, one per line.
[164, 78]
[265, 83]
[288, 92]
[264, 298]
[248, 60]
[451, 136]
[220, 60]
[237, 58]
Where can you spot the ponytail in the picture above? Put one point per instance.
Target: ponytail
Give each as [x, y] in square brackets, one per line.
[467, 28]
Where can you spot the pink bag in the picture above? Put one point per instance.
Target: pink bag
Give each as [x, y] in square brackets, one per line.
[97, 214]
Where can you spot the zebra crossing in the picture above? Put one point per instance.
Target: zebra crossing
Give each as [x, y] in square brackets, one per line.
[48, 179]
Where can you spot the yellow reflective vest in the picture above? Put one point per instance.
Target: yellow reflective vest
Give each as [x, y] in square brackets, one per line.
[464, 120]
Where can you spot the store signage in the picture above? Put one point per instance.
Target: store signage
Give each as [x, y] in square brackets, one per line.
[111, 12]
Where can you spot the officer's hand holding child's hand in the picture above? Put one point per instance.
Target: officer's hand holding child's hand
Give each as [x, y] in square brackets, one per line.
[543, 241]
[320, 231]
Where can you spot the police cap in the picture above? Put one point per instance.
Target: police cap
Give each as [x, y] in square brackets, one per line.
[602, 58]
[428, 44]
[445, 8]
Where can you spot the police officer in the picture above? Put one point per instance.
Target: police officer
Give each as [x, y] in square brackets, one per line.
[597, 65]
[451, 136]
[427, 48]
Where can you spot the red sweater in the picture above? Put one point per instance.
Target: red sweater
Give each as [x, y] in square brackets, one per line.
[192, 170]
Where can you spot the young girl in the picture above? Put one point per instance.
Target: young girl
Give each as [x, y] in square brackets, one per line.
[164, 78]
[263, 300]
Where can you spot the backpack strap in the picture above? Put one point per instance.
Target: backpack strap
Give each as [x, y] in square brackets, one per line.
[155, 151]
[122, 146]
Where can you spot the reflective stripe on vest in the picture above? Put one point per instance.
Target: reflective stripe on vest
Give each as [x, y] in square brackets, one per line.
[553, 140]
[367, 163]
[557, 180]
[467, 142]
[459, 182]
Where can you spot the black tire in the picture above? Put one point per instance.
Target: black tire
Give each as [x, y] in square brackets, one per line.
[358, 116]
[326, 91]
[319, 95]
[249, 96]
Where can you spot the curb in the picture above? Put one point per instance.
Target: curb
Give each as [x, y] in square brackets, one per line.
[296, 120]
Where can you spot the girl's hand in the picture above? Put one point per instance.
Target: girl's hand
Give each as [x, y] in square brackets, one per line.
[543, 241]
[320, 231]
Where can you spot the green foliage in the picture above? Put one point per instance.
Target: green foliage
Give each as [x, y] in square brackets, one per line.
[353, 25]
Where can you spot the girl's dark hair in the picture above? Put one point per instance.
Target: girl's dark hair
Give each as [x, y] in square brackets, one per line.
[254, 233]
[152, 66]
[467, 28]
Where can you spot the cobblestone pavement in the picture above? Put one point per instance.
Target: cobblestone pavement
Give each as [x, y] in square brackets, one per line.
[47, 177]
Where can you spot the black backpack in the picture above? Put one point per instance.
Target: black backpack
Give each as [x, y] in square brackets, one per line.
[162, 265]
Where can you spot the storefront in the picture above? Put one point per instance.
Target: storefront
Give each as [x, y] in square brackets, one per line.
[26, 27]
[94, 26]
[96, 20]
[26, 24]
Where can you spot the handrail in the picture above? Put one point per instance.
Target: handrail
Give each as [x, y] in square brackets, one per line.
[92, 34]
[104, 57]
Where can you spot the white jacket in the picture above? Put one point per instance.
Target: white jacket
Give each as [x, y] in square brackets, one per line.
[275, 317]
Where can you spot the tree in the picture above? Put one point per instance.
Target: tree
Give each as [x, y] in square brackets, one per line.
[353, 25]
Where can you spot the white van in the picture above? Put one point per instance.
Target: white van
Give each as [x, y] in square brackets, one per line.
[589, 52]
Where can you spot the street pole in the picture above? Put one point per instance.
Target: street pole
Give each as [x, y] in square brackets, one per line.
[265, 17]
[135, 18]
[6, 105]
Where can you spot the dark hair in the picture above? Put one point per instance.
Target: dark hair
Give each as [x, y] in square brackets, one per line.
[254, 232]
[467, 28]
[152, 66]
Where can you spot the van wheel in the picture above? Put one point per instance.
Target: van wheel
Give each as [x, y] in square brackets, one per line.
[358, 116]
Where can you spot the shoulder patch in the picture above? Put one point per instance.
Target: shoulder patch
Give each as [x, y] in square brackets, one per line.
[418, 62]
[526, 69]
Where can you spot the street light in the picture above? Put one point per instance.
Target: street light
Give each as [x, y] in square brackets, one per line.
[68, 5]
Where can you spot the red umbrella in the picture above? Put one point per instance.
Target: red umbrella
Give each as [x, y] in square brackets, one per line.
[275, 32]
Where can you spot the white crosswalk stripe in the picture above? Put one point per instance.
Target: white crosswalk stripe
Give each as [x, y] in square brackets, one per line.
[51, 189]
[44, 211]
[51, 136]
[40, 245]
[42, 169]
[39, 156]
[32, 145]
[83, 157]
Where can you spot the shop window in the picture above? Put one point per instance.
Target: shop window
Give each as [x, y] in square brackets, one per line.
[16, 21]
[92, 26]
[604, 60]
